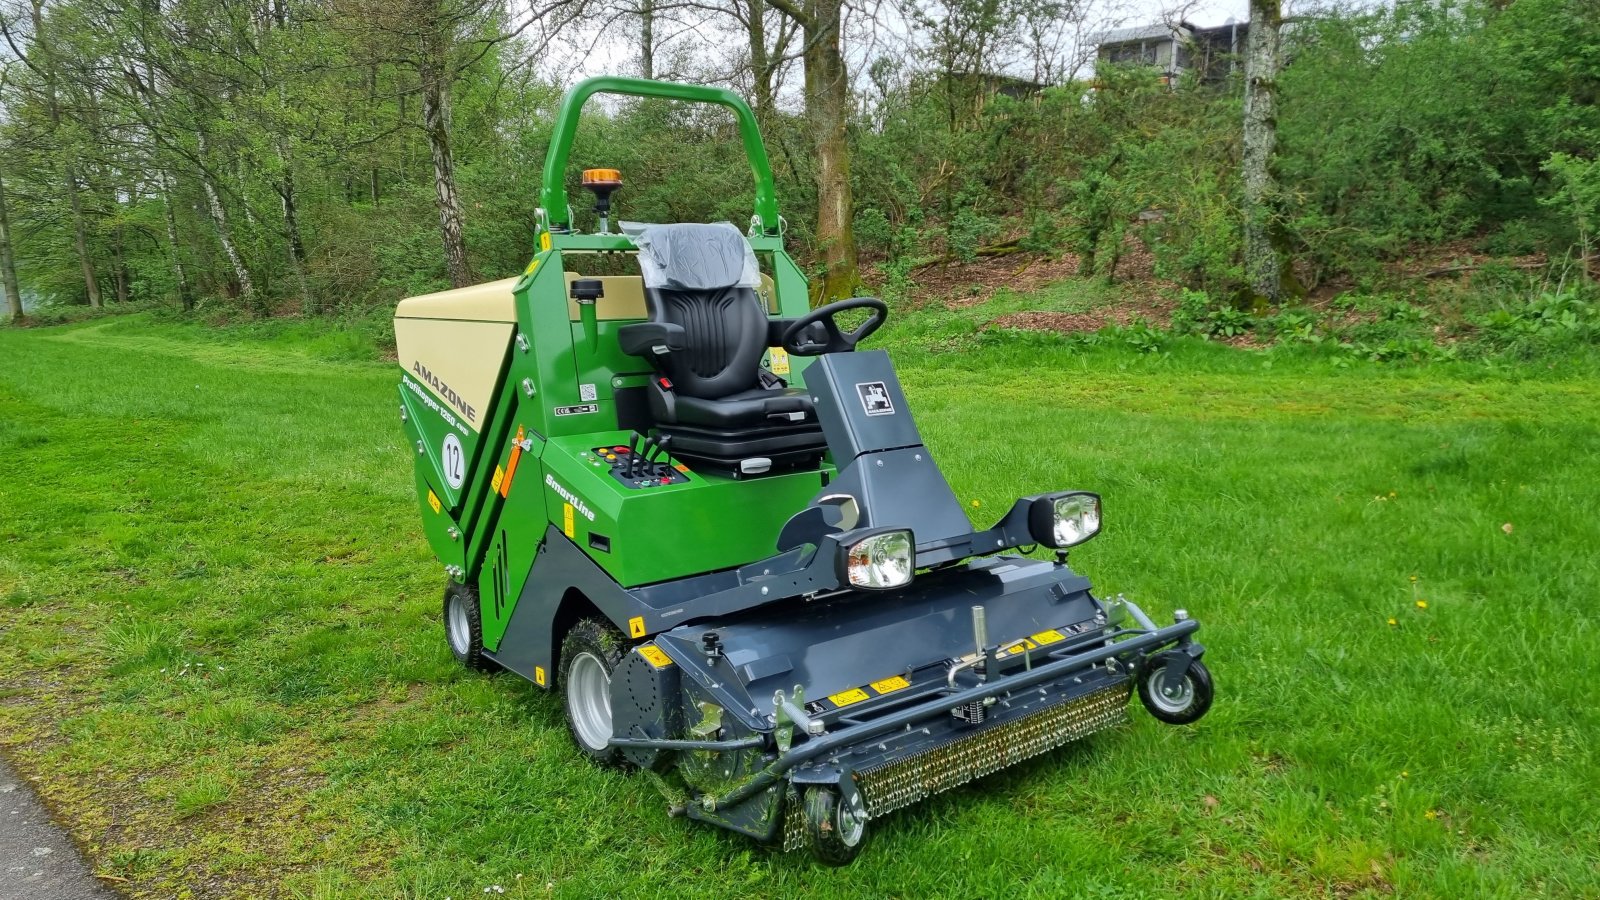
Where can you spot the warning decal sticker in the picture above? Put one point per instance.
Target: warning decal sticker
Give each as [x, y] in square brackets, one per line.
[653, 655]
[893, 683]
[875, 398]
[845, 698]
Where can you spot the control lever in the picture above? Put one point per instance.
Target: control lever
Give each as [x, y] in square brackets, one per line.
[648, 449]
[666, 455]
[633, 453]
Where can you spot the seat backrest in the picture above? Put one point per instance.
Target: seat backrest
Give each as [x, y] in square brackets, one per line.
[703, 279]
[726, 331]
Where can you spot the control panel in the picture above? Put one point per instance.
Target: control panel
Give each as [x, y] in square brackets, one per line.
[638, 469]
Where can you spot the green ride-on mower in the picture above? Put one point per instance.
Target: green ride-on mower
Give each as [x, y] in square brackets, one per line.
[745, 576]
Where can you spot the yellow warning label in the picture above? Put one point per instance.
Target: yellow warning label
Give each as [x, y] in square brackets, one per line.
[845, 698]
[538, 675]
[636, 626]
[653, 655]
[1021, 646]
[544, 240]
[780, 361]
[433, 501]
[887, 685]
[535, 264]
[1048, 637]
[566, 519]
[499, 476]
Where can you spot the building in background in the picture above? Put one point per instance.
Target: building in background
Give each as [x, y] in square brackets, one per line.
[1208, 54]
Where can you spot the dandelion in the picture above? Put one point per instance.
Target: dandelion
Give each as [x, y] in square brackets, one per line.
[1405, 774]
[1392, 621]
[1430, 815]
[1392, 493]
[1413, 579]
[1422, 604]
[977, 503]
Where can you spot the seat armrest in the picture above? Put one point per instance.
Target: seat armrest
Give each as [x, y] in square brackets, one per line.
[651, 338]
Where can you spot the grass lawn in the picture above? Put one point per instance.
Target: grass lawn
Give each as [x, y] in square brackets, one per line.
[221, 661]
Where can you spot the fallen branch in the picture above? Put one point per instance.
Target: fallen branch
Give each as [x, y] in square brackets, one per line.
[1472, 267]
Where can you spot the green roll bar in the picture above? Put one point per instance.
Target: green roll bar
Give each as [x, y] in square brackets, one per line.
[553, 194]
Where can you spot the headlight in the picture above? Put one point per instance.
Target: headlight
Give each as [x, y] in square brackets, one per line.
[880, 561]
[1064, 520]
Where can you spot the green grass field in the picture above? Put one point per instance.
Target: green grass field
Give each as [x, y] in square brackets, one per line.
[221, 662]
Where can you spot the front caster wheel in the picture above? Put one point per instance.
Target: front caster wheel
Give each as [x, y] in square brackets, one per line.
[835, 832]
[589, 654]
[1180, 703]
[463, 627]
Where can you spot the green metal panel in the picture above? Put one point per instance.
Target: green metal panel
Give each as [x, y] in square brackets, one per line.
[436, 523]
[510, 536]
[671, 531]
[554, 192]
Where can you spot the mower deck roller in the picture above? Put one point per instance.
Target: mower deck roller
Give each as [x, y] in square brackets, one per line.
[745, 576]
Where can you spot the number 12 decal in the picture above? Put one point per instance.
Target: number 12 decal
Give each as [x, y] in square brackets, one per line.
[454, 462]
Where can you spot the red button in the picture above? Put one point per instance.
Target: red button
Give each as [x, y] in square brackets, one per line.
[620, 449]
[666, 481]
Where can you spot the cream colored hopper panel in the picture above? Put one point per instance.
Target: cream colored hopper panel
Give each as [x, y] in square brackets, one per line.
[490, 302]
[458, 361]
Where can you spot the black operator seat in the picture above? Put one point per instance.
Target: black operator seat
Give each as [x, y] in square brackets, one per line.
[705, 335]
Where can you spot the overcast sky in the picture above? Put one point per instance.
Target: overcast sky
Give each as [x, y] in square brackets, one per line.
[704, 37]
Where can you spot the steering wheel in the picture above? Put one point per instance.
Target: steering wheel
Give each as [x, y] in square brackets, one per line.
[797, 342]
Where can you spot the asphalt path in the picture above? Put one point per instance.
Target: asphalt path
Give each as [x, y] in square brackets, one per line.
[37, 861]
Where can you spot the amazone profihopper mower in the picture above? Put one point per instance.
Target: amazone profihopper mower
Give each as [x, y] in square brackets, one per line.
[745, 575]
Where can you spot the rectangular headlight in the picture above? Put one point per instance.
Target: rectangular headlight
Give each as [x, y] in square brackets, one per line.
[879, 561]
[1064, 520]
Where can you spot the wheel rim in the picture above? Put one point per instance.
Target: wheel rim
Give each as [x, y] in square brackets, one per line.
[1170, 698]
[460, 632]
[589, 700]
[851, 826]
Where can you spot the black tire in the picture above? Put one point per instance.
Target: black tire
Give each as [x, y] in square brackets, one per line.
[1187, 703]
[463, 627]
[589, 643]
[834, 833]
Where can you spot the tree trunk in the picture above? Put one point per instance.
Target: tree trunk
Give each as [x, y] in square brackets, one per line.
[52, 102]
[436, 123]
[1263, 269]
[80, 240]
[291, 231]
[119, 266]
[827, 107]
[647, 39]
[185, 295]
[761, 66]
[8, 264]
[219, 221]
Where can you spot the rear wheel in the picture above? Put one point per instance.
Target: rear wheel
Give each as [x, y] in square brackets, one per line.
[590, 652]
[463, 627]
[835, 832]
[1180, 702]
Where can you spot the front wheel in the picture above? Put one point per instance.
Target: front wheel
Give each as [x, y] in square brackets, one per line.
[835, 832]
[463, 627]
[1175, 703]
[590, 652]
